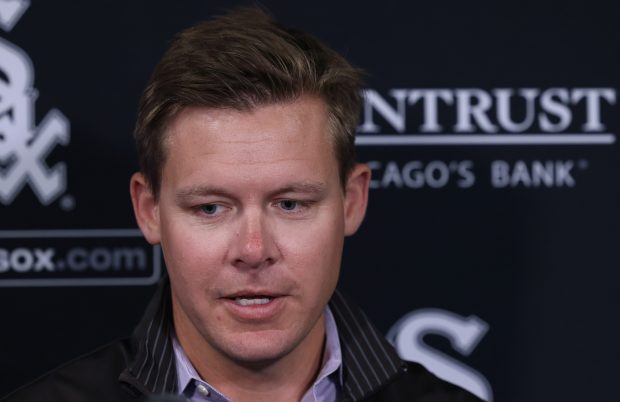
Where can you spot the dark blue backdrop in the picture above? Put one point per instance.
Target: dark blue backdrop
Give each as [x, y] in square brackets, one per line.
[518, 228]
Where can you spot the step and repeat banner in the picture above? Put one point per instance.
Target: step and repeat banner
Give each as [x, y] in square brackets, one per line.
[490, 248]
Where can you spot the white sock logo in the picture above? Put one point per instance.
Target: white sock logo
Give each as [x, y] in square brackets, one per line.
[24, 146]
[464, 334]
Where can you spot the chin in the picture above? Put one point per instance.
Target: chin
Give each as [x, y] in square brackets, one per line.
[260, 347]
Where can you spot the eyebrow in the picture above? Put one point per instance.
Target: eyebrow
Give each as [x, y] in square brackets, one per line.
[199, 191]
[303, 188]
[317, 188]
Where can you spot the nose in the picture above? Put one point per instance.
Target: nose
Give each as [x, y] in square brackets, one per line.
[254, 246]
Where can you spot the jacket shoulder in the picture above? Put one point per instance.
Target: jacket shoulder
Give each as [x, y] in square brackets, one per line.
[91, 377]
[417, 384]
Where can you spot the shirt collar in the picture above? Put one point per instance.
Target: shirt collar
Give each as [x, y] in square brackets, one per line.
[185, 370]
[332, 356]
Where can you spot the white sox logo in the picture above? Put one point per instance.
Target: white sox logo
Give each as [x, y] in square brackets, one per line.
[24, 146]
[464, 333]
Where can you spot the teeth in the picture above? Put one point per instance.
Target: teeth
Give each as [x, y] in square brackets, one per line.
[244, 301]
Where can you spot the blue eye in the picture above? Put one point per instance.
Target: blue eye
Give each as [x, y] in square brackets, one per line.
[210, 209]
[288, 205]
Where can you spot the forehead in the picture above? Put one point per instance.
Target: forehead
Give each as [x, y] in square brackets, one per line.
[308, 111]
[268, 138]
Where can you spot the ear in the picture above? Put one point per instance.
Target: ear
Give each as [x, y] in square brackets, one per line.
[356, 198]
[145, 208]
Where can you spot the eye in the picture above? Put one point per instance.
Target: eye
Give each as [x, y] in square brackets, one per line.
[289, 205]
[210, 209]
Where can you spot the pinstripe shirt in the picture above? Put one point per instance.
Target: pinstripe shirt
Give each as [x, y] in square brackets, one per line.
[368, 361]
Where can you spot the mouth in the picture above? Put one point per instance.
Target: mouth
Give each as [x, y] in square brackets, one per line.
[252, 300]
[252, 297]
[254, 306]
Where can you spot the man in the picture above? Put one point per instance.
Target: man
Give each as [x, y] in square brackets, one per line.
[246, 142]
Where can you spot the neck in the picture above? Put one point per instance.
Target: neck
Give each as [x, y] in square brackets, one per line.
[286, 378]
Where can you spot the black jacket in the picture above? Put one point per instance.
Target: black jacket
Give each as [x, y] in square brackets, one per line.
[136, 368]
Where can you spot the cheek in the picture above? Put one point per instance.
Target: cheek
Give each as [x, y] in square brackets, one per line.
[313, 254]
[189, 254]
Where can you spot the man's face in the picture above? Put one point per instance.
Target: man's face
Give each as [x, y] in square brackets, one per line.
[251, 218]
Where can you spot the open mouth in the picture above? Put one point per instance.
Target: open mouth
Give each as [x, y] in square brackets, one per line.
[252, 300]
[255, 306]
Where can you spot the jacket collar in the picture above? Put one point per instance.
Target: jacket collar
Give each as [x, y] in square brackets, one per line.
[369, 361]
[152, 370]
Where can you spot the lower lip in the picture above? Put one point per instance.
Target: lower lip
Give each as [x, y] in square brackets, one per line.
[255, 312]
